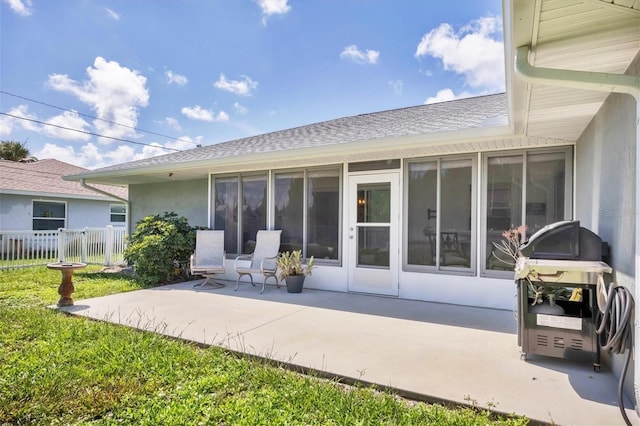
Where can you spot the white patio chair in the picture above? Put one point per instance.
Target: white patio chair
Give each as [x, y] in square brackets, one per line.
[208, 259]
[262, 260]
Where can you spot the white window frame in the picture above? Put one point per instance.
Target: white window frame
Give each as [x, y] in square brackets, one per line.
[124, 214]
[449, 270]
[568, 201]
[34, 217]
[306, 171]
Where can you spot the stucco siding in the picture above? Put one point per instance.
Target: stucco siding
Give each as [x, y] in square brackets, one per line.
[605, 180]
[16, 212]
[185, 198]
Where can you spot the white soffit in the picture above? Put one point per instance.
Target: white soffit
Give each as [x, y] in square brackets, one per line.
[582, 35]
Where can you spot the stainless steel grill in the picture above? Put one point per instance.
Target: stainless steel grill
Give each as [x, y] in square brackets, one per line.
[557, 273]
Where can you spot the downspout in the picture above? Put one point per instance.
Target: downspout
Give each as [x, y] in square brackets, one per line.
[604, 82]
[107, 194]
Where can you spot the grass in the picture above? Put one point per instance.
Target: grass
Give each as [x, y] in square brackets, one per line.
[59, 369]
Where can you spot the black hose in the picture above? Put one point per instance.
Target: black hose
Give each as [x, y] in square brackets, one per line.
[616, 330]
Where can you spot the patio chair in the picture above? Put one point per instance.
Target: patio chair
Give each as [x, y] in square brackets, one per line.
[262, 260]
[208, 259]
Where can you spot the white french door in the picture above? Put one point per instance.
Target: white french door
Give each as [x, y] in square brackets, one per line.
[373, 254]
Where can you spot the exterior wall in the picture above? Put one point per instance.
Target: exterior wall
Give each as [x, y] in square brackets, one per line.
[606, 190]
[16, 212]
[185, 198]
[605, 181]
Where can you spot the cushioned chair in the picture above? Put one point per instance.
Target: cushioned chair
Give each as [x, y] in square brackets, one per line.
[262, 260]
[208, 259]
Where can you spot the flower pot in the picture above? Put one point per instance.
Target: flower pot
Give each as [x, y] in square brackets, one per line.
[294, 283]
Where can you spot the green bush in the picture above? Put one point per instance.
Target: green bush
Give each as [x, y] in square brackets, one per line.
[160, 248]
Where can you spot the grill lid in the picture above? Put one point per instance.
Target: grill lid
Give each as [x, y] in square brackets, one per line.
[565, 240]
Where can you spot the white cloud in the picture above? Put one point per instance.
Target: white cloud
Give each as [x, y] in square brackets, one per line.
[272, 7]
[114, 92]
[239, 87]
[446, 95]
[21, 7]
[199, 113]
[240, 109]
[474, 51]
[397, 86]
[356, 55]
[112, 14]
[178, 79]
[173, 123]
[67, 120]
[8, 124]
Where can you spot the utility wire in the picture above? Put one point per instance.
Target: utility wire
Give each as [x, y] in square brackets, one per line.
[87, 133]
[98, 118]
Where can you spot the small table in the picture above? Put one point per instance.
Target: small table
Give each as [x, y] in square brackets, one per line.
[66, 287]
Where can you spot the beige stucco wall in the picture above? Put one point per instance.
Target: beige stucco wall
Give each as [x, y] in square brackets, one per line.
[186, 198]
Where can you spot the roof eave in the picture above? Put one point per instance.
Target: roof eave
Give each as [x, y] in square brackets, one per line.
[303, 154]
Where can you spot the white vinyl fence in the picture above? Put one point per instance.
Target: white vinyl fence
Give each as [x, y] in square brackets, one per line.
[102, 246]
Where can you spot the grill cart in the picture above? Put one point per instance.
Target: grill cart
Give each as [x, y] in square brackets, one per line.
[557, 274]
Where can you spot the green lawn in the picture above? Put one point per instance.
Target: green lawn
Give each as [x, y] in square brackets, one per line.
[59, 369]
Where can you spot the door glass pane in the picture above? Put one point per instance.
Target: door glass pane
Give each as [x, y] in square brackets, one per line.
[545, 190]
[421, 206]
[323, 214]
[455, 220]
[254, 210]
[226, 212]
[289, 204]
[374, 202]
[373, 246]
[504, 204]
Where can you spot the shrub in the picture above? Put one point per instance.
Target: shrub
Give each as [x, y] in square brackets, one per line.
[160, 248]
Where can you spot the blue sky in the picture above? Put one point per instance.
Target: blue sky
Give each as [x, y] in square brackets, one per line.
[141, 78]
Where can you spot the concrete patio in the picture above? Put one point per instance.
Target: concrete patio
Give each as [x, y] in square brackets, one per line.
[426, 351]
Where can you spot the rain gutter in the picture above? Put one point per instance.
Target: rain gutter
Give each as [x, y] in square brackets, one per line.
[604, 82]
[108, 194]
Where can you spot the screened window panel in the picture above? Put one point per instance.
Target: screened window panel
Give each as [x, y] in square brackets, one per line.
[289, 209]
[254, 210]
[545, 190]
[323, 214]
[422, 201]
[504, 204]
[455, 220]
[226, 212]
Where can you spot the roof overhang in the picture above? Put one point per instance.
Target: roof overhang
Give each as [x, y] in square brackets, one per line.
[470, 140]
[601, 37]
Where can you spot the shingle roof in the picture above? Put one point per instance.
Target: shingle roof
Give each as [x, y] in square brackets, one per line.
[45, 176]
[451, 116]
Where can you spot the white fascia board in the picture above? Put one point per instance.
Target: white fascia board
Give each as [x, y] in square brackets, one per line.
[55, 195]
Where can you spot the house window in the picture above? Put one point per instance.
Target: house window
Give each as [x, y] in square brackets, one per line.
[439, 202]
[305, 205]
[118, 213]
[525, 188]
[240, 206]
[307, 209]
[323, 214]
[49, 215]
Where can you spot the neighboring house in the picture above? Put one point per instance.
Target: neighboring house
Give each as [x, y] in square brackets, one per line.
[408, 202]
[33, 196]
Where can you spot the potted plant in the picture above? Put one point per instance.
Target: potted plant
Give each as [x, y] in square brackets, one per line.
[292, 270]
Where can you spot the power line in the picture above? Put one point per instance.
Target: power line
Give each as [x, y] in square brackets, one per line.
[87, 133]
[98, 118]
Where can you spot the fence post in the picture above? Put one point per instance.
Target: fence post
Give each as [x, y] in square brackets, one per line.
[61, 244]
[108, 245]
[83, 246]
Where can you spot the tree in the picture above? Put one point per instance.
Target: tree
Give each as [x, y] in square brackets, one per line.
[15, 151]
